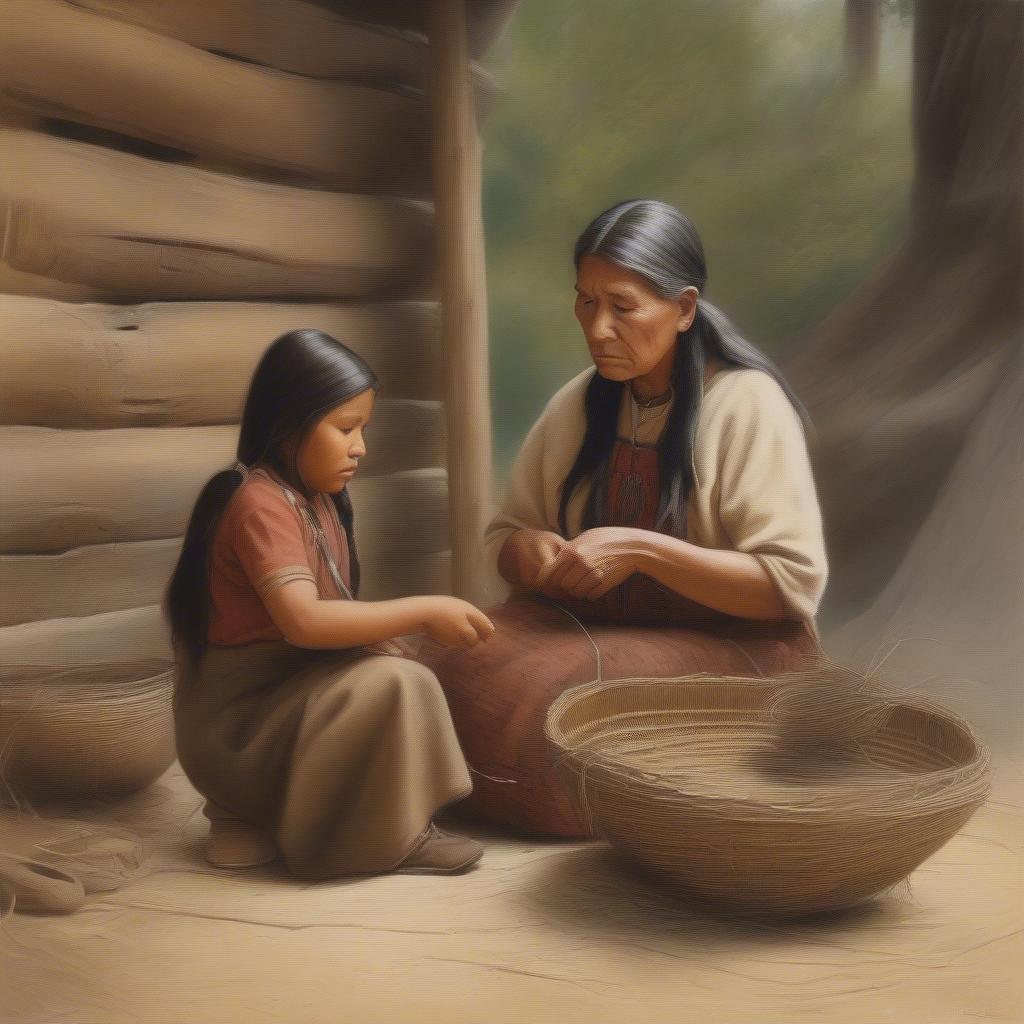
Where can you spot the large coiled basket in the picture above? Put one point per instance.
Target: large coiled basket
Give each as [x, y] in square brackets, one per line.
[683, 776]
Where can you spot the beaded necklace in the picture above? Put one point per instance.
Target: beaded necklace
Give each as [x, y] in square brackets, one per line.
[632, 487]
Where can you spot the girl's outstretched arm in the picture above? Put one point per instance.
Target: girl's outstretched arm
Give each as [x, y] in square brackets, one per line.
[307, 621]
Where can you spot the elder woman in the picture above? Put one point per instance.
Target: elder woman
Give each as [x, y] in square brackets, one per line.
[662, 508]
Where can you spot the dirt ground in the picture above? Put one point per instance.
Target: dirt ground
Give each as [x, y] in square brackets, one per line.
[538, 932]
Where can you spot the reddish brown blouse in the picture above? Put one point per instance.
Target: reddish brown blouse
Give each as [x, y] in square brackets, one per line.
[261, 542]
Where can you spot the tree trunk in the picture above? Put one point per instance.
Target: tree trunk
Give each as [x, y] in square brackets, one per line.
[952, 616]
[898, 373]
[863, 38]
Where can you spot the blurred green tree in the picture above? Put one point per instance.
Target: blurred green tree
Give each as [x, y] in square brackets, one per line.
[734, 111]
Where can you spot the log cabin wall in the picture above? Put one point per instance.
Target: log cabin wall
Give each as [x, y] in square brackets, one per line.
[182, 182]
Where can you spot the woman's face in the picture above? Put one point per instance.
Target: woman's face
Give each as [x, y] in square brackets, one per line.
[630, 329]
[329, 454]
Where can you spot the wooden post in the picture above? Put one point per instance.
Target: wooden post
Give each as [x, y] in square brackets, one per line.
[457, 192]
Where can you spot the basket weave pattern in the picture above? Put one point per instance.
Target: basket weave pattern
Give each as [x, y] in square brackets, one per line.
[684, 778]
[92, 731]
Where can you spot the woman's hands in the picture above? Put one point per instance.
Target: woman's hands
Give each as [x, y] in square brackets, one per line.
[526, 554]
[454, 622]
[587, 567]
[591, 564]
[598, 560]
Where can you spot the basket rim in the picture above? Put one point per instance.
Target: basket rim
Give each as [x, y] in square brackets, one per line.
[874, 803]
[582, 690]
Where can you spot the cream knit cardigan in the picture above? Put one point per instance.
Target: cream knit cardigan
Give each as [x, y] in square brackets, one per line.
[754, 488]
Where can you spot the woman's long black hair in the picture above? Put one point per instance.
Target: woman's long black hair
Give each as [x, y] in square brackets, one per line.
[300, 378]
[659, 243]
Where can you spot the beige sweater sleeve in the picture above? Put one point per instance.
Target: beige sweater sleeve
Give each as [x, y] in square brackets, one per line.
[533, 488]
[755, 490]
[767, 501]
[522, 506]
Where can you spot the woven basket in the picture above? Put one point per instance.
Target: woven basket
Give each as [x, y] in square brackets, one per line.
[96, 731]
[683, 776]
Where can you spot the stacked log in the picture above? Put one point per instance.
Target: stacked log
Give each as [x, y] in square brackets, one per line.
[183, 182]
[143, 229]
[304, 38]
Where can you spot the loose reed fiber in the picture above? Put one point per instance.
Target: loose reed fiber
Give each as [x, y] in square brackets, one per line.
[101, 857]
[7, 898]
[687, 778]
[827, 705]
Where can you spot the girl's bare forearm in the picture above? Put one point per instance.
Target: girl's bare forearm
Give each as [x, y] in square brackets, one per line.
[333, 624]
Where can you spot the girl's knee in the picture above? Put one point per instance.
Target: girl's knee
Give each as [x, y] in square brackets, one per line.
[404, 677]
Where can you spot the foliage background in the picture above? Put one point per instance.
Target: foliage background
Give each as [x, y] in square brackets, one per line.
[736, 111]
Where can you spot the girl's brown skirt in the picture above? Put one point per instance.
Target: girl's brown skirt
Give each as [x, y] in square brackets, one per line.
[343, 756]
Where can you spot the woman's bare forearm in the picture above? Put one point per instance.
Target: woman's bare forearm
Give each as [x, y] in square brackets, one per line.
[728, 581]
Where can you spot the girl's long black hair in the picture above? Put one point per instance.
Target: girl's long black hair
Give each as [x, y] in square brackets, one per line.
[300, 378]
[659, 243]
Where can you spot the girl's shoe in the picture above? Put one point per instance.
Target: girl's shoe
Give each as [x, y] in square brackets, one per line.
[234, 843]
[238, 845]
[442, 853]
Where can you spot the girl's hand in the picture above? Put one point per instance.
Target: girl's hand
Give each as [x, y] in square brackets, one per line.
[454, 622]
[591, 564]
[394, 647]
[528, 554]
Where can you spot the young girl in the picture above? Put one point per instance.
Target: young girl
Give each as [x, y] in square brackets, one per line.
[305, 741]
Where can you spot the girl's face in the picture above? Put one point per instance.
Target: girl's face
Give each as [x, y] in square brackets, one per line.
[329, 454]
[630, 329]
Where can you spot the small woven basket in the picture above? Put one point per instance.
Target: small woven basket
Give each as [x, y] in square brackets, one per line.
[687, 778]
[92, 731]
